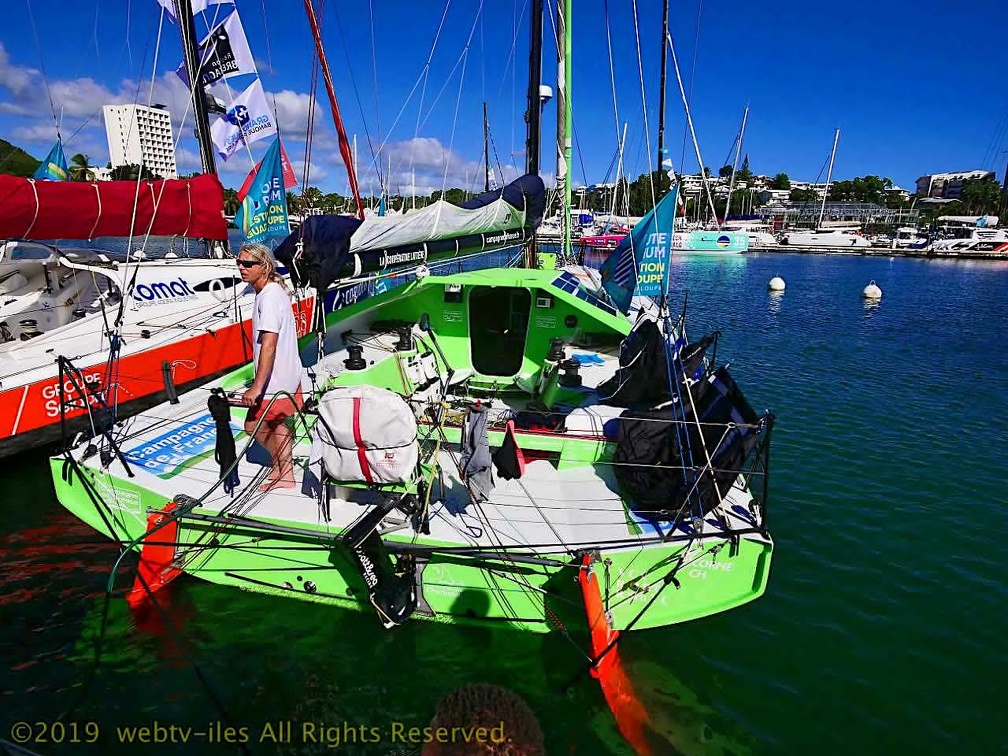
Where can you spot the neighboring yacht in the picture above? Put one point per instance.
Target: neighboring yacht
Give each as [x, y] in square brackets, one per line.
[992, 240]
[827, 238]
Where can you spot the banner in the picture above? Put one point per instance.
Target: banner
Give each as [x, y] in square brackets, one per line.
[247, 120]
[198, 6]
[640, 264]
[263, 212]
[290, 180]
[54, 166]
[223, 53]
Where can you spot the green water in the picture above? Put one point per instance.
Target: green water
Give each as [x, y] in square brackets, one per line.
[881, 631]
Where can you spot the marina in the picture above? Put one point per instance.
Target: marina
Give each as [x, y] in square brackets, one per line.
[398, 450]
[865, 500]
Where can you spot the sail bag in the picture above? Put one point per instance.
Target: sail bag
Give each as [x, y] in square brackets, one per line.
[366, 434]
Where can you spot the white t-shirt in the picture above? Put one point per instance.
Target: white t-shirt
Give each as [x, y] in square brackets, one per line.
[272, 312]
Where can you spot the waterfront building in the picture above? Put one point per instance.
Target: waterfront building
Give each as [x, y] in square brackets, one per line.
[948, 185]
[141, 135]
[789, 214]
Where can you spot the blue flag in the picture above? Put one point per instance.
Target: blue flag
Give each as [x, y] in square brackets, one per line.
[54, 166]
[640, 264]
[263, 212]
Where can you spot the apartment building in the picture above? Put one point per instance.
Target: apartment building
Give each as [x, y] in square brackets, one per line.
[141, 135]
[947, 185]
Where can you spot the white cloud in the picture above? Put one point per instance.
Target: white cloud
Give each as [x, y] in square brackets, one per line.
[23, 95]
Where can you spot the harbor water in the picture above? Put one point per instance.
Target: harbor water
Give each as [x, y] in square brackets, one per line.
[882, 629]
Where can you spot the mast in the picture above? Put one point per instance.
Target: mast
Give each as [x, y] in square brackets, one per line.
[187, 34]
[661, 90]
[564, 125]
[486, 152]
[344, 145]
[738, 150]
[829, 177]
[533, 116]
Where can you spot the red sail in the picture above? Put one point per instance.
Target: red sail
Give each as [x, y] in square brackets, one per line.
[32, 209]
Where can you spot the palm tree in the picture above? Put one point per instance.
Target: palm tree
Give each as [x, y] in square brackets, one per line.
[80, 168]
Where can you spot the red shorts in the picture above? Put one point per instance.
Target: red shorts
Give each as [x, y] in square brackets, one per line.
[280, 410]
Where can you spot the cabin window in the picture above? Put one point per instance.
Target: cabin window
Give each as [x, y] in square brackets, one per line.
[498, 325]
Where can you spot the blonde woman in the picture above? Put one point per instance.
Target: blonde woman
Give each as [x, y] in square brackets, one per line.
[276, 361]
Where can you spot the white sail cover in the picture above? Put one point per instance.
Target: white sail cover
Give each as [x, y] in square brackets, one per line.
[439, 220]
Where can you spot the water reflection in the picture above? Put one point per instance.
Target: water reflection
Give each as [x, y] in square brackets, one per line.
[774, 302]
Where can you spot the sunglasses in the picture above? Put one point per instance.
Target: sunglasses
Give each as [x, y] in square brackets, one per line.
[249, 263]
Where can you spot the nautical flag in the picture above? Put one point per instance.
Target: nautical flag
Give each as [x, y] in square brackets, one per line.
[290, 180]
[247, 120]
[54, 166]
[640, 264]
[198, 6]
[263, 212]
[223, 53]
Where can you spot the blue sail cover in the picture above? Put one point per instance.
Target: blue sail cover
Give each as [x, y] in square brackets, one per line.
[640, 264]
[336, 246]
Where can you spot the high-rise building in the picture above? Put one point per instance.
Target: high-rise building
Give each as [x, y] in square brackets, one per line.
[141, 135]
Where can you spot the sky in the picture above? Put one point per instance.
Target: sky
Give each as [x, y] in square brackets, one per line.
[915, 86]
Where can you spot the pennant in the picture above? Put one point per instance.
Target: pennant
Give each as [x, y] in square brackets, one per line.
[640, 264]
[263, 212]
[198, 6]
[54, 166]
[223, 53]
[247, 120]
[290, 180]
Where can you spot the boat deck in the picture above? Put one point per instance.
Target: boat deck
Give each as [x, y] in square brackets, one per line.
[171, 450]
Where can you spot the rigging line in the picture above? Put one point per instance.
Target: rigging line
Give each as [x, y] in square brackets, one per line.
[463, 56]
[45, 76]
[357, 97]
[696, 47]
[689, 125]
[374, 71]
[644, 107]
[458, 101]
[488, 528]
[612, 73]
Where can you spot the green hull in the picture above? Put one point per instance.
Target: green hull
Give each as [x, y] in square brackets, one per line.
[452, 590]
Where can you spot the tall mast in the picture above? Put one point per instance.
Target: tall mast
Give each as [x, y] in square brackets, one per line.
[344, 145]
[564, 125]
[533, 115]
[829, 177]
[187, 34]
[661, 90]
[738, 150]
[486, 153]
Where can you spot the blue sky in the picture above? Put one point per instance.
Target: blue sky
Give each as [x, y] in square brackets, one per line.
[916, 86]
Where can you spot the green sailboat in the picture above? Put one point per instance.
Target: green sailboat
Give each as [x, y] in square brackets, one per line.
[509, 446]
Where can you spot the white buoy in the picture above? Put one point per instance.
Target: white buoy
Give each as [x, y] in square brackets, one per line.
[872, 291]
[776, 284]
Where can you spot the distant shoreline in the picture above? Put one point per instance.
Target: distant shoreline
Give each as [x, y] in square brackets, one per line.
[883, 252]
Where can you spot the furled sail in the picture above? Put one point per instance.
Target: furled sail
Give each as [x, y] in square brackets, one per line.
[335, 246]
[85, 210]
